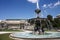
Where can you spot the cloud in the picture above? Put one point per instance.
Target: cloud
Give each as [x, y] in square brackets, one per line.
[44, 6]
[47, 5]
[32, 1]
[51, 5]
[57, 3]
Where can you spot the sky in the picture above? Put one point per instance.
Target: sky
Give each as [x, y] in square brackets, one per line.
[25, 9]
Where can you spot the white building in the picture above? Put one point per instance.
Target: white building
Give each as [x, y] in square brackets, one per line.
[14, 24]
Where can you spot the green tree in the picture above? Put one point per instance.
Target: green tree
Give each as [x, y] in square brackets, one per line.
[31, 21]
[57, 22]
[49, 17]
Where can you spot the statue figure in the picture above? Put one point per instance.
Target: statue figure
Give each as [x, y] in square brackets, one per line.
[37, 26]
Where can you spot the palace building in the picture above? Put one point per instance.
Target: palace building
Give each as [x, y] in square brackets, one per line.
[14, 23]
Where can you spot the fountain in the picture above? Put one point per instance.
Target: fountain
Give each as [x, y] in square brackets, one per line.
[37, 33]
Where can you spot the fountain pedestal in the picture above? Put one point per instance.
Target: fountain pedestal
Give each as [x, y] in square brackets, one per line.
[38, 23]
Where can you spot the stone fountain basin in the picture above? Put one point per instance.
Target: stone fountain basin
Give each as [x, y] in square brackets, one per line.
[29, 35]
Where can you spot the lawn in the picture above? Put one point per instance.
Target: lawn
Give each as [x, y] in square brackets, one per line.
[5, 37]
[10, 30]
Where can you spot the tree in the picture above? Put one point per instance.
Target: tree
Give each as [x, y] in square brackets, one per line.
[50, 21]
[49, 17]
[57, 22]
[43, 23]
[31, 21]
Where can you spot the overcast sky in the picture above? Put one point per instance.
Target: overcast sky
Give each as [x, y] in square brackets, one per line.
[24, 9]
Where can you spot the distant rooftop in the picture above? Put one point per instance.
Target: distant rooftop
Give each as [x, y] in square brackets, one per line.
[15, 19]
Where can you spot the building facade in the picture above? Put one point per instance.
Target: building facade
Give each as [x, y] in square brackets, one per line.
[14, 24]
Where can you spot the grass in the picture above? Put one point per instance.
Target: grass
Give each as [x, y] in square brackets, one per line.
[10, 30]
[5, 37]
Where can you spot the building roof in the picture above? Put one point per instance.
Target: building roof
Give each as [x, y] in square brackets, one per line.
[15, 19]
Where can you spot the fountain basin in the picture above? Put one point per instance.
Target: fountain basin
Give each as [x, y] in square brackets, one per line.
[29, 35]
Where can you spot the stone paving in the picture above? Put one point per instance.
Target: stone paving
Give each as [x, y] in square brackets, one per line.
[4, 32]
[36, 39]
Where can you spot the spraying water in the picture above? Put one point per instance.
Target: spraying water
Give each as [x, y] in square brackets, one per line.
[50, 24]
[38, 4]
